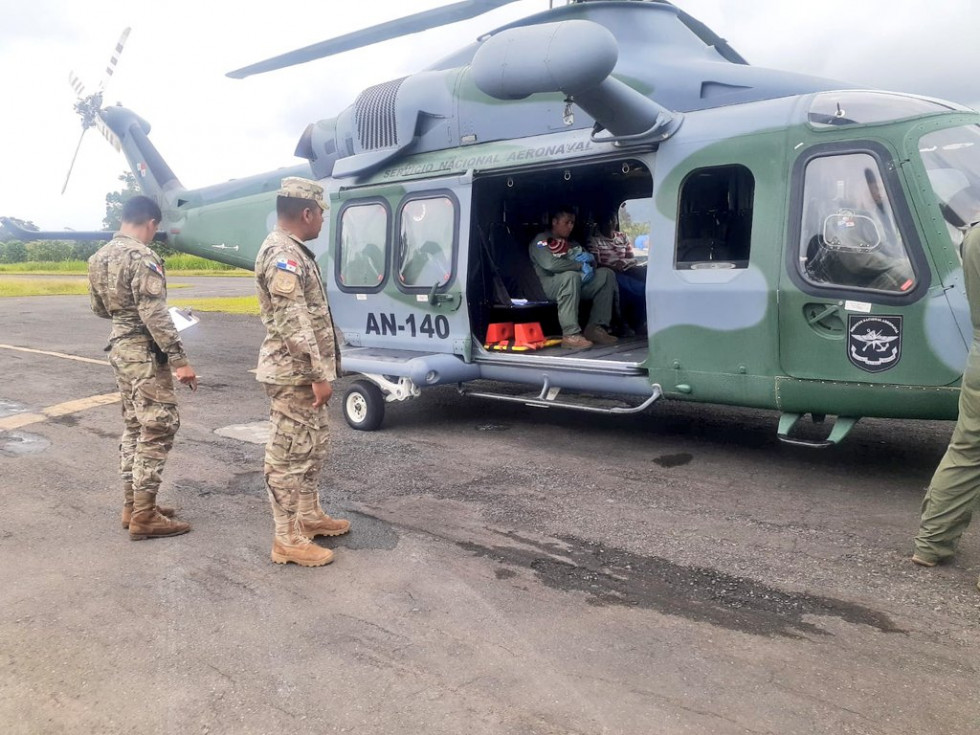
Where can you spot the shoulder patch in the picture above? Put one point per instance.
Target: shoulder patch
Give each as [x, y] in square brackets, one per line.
[155, 268]
[154, 286]
[286, 264]
[542, 243]
[283, 283]
[135, 254]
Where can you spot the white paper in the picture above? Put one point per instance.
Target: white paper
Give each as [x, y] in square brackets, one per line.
[183, 318]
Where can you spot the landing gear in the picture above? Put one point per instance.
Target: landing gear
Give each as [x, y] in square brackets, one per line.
[364, 406]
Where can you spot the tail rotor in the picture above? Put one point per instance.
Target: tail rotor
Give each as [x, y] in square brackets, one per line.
[88, 107]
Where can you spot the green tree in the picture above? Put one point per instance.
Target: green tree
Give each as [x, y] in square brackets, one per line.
[48, 251]
[13, 251]
[84, 250]
[114, 202]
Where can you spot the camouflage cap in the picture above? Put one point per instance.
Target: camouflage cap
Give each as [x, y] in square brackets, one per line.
[294, 186]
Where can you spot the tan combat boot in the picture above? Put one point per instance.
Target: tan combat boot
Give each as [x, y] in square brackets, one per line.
[311, 521]
[289, 546]
[148, 522]
[127, 511]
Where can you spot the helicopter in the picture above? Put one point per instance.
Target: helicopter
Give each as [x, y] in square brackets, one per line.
[802, 233]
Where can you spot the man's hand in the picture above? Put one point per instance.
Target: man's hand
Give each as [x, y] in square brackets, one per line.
[321, 393]
[187, 376]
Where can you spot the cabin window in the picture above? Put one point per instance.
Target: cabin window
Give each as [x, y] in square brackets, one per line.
[849, 237]
[714, 225]
[363, 244]
[952, 160]
[427, 232]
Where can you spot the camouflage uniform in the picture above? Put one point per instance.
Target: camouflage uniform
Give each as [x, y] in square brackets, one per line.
[299, 349]
[127, 284]
[952, 496]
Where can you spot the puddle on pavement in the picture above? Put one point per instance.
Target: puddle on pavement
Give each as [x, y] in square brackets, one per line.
[16, 443]
[673, 460]
[9, 408]
[617, 577]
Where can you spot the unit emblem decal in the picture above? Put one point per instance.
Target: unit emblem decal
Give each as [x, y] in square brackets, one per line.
[874, 343]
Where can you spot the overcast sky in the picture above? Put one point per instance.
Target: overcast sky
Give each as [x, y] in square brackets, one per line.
[210, 128]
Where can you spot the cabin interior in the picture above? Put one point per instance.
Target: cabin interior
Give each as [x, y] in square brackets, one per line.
[511, 208]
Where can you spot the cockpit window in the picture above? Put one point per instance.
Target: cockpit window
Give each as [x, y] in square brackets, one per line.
[849, 237]
[834, 109]
[952, 161]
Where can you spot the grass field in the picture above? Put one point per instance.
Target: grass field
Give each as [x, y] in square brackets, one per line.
[46, 287]
[77, 286]
[225, 304]
[177, 265]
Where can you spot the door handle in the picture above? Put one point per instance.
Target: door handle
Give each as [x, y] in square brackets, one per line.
[824, 319]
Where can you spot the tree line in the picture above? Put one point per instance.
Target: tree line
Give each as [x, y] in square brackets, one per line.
[14, 250]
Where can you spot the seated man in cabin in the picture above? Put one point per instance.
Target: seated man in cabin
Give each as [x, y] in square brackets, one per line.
[613, 250]
[569, 274]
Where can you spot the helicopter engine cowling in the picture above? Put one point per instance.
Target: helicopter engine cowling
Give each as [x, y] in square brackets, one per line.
[575, 57]
[570, 56]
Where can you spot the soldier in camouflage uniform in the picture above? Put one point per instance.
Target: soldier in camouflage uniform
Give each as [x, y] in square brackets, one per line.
[955, 488]
[297, 361]
[128, 286]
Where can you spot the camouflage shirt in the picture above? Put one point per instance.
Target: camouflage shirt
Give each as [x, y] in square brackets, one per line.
[300, 347]
[127, 284]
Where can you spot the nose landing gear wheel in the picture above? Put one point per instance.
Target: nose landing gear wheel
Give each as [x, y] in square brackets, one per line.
[364, 406]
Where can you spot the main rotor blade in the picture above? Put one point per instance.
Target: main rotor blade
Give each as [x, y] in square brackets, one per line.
[375, 34]
[77, 148]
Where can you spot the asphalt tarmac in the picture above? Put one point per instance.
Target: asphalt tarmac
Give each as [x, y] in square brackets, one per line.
[510, 570]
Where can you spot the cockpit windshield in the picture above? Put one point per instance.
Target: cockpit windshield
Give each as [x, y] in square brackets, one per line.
[952, 161]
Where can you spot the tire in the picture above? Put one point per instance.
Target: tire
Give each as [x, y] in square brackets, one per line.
[364, 406]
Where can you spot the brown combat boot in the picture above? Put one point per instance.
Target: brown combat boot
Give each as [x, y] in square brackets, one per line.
[575, 342]
[599, 335]
[289, 546]
[127, 511]
[311, 521]
[147, 521]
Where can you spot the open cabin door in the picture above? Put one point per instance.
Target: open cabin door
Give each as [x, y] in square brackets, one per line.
[398, 266]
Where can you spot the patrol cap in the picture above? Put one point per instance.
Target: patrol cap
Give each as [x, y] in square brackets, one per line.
[294, 186]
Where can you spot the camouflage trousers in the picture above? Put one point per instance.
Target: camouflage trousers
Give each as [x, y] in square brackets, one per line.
[297, 446]
[955, 488]
[149, 411]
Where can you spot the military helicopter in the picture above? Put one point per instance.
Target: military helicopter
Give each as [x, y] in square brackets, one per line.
[803, 233]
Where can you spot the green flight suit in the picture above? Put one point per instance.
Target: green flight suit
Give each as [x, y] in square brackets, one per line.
[561, 279]
[952, 496]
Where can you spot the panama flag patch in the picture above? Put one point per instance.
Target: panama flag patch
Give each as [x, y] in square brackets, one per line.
[284, 264]
[154, 267]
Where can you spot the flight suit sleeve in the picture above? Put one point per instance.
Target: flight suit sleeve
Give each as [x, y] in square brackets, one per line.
[291, 318]
[542, 257]
[150, 293]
